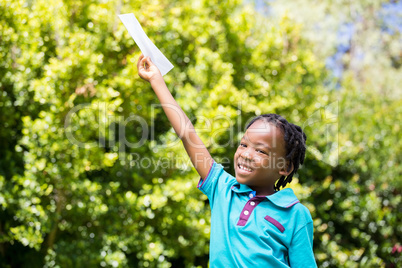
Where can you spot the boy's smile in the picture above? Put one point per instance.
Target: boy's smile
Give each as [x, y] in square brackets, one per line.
[260, 157]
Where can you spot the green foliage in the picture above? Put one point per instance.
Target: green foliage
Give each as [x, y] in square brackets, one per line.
[81, 186]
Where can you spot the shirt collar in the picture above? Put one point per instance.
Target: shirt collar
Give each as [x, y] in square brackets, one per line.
[241, 188]
[285, 198]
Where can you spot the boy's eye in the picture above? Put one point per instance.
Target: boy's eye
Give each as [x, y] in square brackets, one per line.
[242, 145]
[262, 152]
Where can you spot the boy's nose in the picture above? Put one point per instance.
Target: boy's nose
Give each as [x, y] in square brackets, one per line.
[246, 155]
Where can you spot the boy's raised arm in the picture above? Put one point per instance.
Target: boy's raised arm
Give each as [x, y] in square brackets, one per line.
[183, 127]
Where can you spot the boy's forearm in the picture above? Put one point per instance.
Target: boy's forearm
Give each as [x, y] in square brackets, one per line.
[179, 120]
[194, 146]
[183, 127]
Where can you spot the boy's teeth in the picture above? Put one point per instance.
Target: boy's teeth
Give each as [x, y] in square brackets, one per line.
[244, 168]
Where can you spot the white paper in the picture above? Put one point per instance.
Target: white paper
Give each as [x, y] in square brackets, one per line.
[145, 44]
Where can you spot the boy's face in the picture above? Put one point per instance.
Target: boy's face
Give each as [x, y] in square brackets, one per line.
[260, 158]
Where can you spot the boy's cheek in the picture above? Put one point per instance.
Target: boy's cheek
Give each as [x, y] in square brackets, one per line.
[280, 163]
[268, 163]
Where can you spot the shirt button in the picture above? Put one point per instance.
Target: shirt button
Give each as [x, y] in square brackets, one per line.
[251, 195]
[252, 203]
[246, 212]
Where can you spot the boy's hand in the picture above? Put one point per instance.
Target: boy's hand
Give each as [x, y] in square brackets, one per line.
[147, 70]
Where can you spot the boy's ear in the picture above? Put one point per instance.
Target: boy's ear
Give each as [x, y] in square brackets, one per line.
[287, 169]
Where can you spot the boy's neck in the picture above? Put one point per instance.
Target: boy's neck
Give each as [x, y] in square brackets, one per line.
[264, 192]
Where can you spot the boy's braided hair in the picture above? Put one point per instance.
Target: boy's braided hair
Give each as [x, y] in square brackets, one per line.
[295, 143]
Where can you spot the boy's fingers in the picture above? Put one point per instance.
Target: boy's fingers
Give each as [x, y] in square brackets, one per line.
[140, 65]
[139, 61]
[143, 64]
[148, 60]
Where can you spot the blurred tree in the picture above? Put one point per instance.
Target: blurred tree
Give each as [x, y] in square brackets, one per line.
[362, 38]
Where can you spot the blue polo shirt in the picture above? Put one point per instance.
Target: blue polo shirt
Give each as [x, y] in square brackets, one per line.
[247, 230]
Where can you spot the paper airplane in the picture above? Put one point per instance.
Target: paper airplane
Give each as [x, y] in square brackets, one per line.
[145, 44]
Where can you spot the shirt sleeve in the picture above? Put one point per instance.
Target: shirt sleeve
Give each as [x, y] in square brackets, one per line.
[301, 249]
[216, 180]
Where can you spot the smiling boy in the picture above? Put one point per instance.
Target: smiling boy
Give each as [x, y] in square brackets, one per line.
[253, 222]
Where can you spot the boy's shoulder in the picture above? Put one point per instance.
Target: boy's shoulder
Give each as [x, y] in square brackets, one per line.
[303, 211]
[287, 201]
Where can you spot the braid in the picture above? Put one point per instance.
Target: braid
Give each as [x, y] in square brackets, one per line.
[295, 143]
